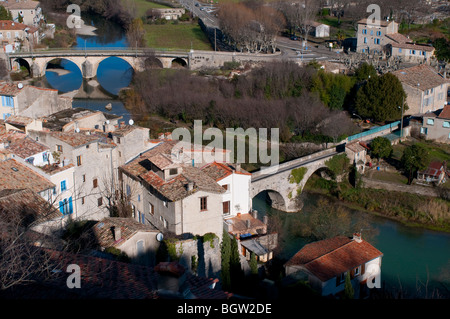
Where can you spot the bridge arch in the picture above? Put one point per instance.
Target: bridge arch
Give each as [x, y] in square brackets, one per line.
[179, 63]
[18, 63]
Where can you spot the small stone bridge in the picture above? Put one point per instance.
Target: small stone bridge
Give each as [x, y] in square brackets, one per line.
[277, 182]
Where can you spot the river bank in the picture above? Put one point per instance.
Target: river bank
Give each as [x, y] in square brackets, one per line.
[411, 210]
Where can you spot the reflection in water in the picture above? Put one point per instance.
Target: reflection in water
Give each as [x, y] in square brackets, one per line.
[67, 82]
[114, 74]
[415, 261]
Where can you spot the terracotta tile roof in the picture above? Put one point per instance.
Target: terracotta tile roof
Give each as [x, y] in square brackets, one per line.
[26, 147]
[219, 171]
[355, 147]
[330, 257]
[19, 120]
[107, 279]
[27, 200]
[445, 113]
[74, 139]
[11, 25]
[52, 169]
[10, 89]
[239, 223]
[435, 169]
[412, 46]
[14, 175]
[12, 4]
[383, 23]
[423, 75]
[128, 226]
[398, 37]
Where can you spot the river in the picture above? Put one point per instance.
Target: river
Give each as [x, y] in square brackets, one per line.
[113, 73]
[415, 261]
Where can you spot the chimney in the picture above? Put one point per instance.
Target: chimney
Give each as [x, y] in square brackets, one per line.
[189, 186]
[357, 237]
[248, 223]
[171, 278]
[238, 167]
[117, 232]
[255, 214]
[265, 219]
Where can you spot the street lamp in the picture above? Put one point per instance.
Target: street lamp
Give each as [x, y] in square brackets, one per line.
[401, 120]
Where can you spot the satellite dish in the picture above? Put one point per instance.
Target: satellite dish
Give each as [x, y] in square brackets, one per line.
[131, 122]
[20, 85]
[107, 121]
[77, 130]
[159, 237]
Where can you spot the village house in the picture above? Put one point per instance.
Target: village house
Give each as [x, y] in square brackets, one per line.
[436, 173]
[324, 265]
[137, 241]
[409, 51]
[30, 101]
[319, 30]
[357, 153]
[436, 125]
[168, 191]
[29, 10]
[426, 90]
[372, 38]
[18, 36]
[93, 163]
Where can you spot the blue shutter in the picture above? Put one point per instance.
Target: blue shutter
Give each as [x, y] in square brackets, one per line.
[70, 205]
[63, 186]
[61, 207]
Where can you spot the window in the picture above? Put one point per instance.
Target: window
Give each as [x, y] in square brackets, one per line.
[357, 271]
[365, 41]
[342, 277]
[446, 124]
[371, 32]
[118, 140]
[94, 183]
[100, 201]
[16, 34]
[430, 121]
[423, 130]
[152, 209]
[378, 33]
[54, 190]
[226, 207]
[173, 171]
[203, 203]
[83, 178]
[79, 160]
[59, 148]
[128, 190]
[140, 247]
[225, 187]
[8, 35]
[82, 200]
[364, 31]
[376, 41]
[400, 50]
[63, 186]
[165, 203]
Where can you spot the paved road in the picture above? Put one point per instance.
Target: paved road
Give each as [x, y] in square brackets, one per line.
[292, 49]
[202, 11]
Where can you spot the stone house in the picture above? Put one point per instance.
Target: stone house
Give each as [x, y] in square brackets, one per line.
[436, 125]
[172, 195]
[324, 265]
[401, 46]
[426, 89]
[357, 153]
[15, 35]
[30, 11]
[319, 30]
[93, 162]
[136, 240]
[435, 173]
[30, 101]
[371, 38]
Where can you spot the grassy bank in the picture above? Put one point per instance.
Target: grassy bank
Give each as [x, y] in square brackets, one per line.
[410, 209]
[181, 36]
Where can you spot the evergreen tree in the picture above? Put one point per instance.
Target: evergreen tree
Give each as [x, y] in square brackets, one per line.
[380, 98]
[253, 264]
[236, 273]
[414, 158]
[225, 263]
[349, 293]
[381, 147]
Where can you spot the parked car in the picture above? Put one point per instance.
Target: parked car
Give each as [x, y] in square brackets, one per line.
[293, 37]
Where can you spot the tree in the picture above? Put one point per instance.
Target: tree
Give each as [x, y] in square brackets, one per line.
[381, 147]
[253, 264]
[135, 33]
[349, 293]
[380, 98]
[5, 14]
[364, 72]
[414, 158]
[225, 251]
[236, 273]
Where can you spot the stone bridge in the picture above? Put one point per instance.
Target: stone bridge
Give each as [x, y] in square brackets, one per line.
[281, 187]
[88, 61]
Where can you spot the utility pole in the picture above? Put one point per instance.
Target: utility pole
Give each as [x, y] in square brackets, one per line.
[401, 123]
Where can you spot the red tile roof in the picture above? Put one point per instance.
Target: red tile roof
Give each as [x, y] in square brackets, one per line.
[219, 171]
[14, 175]
[422, 74]
[26, 147]
[445, 113]
[11, 25]
[328, 258]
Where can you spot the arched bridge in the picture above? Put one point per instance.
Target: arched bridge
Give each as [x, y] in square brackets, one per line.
[280, 185]
[89, 60]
